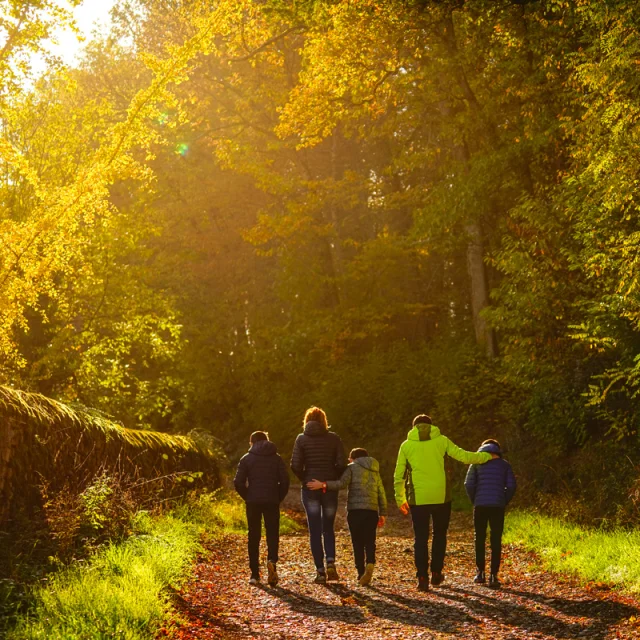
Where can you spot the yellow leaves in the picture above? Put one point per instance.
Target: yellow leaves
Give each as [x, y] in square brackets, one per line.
[16, 160]
[24, 27]
[347, 66]
[49, 238]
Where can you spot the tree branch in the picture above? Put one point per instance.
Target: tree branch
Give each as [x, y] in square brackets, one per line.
[267, 43]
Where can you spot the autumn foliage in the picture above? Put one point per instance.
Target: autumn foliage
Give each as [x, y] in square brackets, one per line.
[227, 212]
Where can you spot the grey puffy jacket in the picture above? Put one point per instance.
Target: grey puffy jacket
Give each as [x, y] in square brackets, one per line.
[366, 491]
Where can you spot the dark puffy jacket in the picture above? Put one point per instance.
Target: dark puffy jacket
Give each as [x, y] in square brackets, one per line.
[262, 475]
[491, 484]
[318, 453]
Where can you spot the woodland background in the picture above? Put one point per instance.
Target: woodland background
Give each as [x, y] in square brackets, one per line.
[231, 210]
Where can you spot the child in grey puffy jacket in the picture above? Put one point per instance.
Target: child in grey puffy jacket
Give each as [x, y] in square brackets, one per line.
[366, 508]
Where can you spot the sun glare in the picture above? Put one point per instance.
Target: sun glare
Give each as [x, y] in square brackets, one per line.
[90, 16]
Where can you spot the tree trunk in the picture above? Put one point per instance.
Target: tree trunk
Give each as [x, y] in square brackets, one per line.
[9, 436]
[485, 336]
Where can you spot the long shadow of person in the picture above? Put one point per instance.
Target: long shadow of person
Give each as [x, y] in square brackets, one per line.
[488, 604]
[344, 612]
[425, 613]
[606, 612]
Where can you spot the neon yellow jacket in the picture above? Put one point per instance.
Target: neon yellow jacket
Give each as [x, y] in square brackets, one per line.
[420, 477]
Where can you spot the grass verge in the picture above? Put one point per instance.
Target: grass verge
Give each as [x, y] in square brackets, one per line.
[590, 554]
[223, 512]
[122, 591]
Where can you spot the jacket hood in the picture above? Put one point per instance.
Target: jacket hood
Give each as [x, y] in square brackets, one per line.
[423, 431]
[491, 448]
[263, 448]
[368, 462]
[313, 428]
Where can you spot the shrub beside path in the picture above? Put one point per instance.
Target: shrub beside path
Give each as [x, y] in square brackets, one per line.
[219, 603]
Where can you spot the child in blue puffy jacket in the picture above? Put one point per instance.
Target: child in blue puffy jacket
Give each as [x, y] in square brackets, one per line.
[490, 487]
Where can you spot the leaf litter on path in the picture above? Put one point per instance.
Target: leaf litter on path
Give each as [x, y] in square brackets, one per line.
[218, 601]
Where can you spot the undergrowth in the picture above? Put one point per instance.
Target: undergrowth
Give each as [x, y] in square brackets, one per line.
[601, 556]
[122, 591]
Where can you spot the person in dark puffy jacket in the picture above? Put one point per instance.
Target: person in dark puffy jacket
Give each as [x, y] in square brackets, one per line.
[490, 487]
[319, 453]
[366, 508]
[262, 480]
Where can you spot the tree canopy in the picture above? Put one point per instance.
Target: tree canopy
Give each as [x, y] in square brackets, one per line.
[231, 210]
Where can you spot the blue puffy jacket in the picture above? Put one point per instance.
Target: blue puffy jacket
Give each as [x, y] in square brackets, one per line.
[491, 484]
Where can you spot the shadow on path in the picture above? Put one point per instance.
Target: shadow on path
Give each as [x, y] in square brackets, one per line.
[425, 613]
[530, 619]
[602, 610]
[345, 612]
[205, 614]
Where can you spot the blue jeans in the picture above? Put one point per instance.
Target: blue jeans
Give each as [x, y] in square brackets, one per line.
[321, 511]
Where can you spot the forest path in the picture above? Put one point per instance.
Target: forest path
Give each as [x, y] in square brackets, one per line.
[218, 602]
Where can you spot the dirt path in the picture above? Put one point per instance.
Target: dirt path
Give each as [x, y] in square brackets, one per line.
[219, 603]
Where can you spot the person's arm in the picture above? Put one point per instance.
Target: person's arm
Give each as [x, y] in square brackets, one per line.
[240, 481]
[283, 479]
[399, 476]
[510, 485]
[297, 460]
[342, 483]
[382, 498]
[466, 457]
[471, 482]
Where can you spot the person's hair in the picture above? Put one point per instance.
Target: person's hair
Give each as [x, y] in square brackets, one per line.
[257, 436]
[423, 418]
[358, 453]
[315, 414]
[491, 441]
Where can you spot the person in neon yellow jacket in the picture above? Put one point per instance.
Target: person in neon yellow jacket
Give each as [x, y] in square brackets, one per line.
[420, 484]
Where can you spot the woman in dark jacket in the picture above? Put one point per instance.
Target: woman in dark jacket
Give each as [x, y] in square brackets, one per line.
[319, 453]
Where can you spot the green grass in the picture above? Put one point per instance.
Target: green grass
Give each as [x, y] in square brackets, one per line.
[122, 592]
[590, 554]
[222, 512]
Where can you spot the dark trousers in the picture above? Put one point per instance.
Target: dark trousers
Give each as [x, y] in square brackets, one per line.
[494, 517]
[422, 516]
[362, 527]
[256, 511]
[321, 511]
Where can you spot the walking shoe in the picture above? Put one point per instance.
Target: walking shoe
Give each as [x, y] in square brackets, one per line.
[332, 573]
[494, 583]
[367, 575]
[480, 579]
[437, 578]
[423, 583]
[321, 577]
[272, 579]
[254, 579]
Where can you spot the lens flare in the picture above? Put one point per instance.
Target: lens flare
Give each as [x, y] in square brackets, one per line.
[182, 148]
